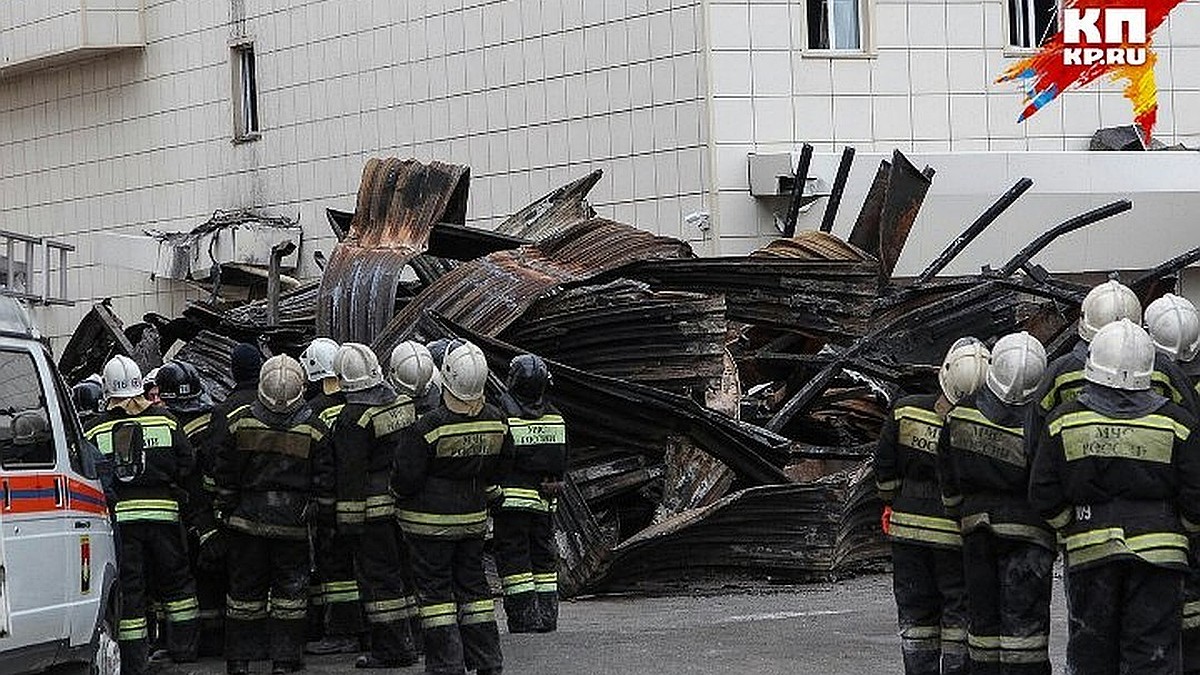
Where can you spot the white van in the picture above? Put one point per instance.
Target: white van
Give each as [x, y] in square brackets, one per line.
[58, 562]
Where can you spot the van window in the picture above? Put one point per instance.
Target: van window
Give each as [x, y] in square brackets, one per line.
[72, 431]
[26, 440]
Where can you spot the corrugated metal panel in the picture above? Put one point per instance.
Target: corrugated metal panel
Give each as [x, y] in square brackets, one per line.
[554, 212]
[489, 294]
[398, 204]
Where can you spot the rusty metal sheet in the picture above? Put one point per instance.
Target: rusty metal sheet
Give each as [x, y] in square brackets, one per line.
[489, 294]
[399, 201]
[906, 191]
[554, 212]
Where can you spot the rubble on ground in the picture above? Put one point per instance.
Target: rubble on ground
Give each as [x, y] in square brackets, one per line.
[722, 411]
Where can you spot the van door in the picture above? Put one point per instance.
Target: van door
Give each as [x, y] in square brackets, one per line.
[89, 538]
[32, 502]
[5, 626]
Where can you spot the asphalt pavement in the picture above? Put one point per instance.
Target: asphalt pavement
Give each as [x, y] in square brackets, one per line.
[841, 627]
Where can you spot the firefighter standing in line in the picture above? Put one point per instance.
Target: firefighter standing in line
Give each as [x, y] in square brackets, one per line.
[181, 391]
[1174, 327]
[444, 474]
[1008, 549]
[411, 372]
[1117, 472]
[273, 465]
[333, 592]
[150, 459]
[926, 545]
[369, 429]
[1110, 301]
[523, 536]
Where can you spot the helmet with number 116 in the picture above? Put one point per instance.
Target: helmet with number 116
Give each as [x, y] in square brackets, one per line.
[122, 378]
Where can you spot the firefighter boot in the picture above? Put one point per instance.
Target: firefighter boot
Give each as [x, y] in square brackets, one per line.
[522, 612]
[547, 612]
[237, 667]
[333, 645]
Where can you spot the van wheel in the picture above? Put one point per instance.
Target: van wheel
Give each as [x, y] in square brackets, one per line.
[107, 660]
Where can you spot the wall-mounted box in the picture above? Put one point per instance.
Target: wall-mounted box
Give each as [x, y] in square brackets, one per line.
[38, 34]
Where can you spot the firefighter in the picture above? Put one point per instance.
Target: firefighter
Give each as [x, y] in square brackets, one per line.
[1108, 302]
[1174, 327]
[444, 475]
[410, 372]
[1008, 550]
[369, 429]
[245, 364]
[150, 458]
[926, 545]
[273, 466]
[334, 601]
[1116, 472]
[182, 393]
[523, 536]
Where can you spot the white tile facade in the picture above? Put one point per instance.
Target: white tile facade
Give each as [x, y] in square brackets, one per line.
[667, 96]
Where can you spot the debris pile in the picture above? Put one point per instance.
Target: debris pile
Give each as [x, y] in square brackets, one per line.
[722, 411]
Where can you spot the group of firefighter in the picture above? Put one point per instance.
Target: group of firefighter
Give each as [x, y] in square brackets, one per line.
[1094, 455]
[324, 507]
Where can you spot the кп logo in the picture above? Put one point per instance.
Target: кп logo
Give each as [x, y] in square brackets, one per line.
[1124, 28]
[1099, 38]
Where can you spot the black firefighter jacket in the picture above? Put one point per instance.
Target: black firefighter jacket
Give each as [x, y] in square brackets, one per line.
[1118, 474]
[984, 464]
[369, 427]
[906, 474]
[271, 470]
[150, 457]
[445, 471]
[539, 438]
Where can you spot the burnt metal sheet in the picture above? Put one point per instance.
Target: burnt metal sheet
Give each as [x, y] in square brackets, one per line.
[398, 204]
[212, 354]
[447, 240]
[554, 212]
[667, 339]
[99, 336]
[490, 293]
[601, 407]
[832, 299]
[795, 531]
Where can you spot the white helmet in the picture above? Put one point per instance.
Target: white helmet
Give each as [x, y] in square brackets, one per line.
[464, 374]
[317, 359]
[411, 367]
[1110, 301]
[1121, 356]
[1018, 362]
[281, 384]
[122, 378]
[357, 367]
[964, 369]
[1174, 326]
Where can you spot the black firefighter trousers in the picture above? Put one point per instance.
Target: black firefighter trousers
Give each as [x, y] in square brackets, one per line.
[457, 610]
[156, 550]
[528, 568]
[1008, 596]
[383, 572]
[1126, 617]
[931, 601]
[268, 599]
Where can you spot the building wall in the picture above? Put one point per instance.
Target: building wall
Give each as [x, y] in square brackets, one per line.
[529, 93]
[928, 87]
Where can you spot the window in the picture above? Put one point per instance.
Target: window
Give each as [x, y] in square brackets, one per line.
[245, 93]
[1031, 22]
[25, 437]
[835, 25]
[82, 464]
